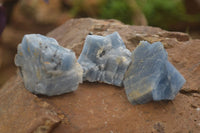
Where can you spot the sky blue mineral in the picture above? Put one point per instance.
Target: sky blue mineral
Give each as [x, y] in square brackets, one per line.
[151, 76]
[104, 59]
[46, 67]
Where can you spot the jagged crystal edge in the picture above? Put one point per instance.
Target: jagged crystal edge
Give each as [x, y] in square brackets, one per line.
[104, 59]
[46, 67]
[151, 76]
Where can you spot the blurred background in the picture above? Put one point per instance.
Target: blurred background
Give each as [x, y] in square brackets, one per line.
[19, 17]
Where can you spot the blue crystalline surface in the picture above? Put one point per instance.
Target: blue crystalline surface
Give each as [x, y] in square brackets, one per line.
[151, 76]
[46, 67]
[104, 59]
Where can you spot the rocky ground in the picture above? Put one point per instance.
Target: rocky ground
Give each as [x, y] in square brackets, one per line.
[98, 107]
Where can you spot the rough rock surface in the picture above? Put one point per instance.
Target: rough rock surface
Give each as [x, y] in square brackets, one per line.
[104, 59]
[22, 112]
[98, 107]
[150, 75]
[46, 67]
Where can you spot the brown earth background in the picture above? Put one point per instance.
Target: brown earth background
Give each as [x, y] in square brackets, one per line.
[98, 107]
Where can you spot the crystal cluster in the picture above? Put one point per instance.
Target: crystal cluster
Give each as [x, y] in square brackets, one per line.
[46, 67]
[146, 73]
[104, 59]
[151, 76]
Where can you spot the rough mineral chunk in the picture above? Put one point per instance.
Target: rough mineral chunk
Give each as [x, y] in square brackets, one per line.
[104, 59]
[151, 76]
[46, 67]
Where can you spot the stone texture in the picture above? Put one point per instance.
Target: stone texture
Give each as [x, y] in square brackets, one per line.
[174, 42]
[46, 67]
[22, 112]
[150, 75]
[101, 107]
[119, 115]
[104, 59]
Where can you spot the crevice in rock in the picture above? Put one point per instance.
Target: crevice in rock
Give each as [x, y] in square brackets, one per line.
[47, 127]
[189, 92]
[181, 37]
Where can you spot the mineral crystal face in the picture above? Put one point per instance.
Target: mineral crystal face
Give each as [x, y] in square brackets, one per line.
[104, 59]
[150, 75]
[46, 67]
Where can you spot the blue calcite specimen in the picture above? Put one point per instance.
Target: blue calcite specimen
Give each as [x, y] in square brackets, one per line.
[46, 67]
[104, 59]
[150, 75]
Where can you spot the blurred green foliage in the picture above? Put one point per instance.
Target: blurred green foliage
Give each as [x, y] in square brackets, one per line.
[167, 14]
[78, 9]
[116, 9]
[164, 13]
[106, 9]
